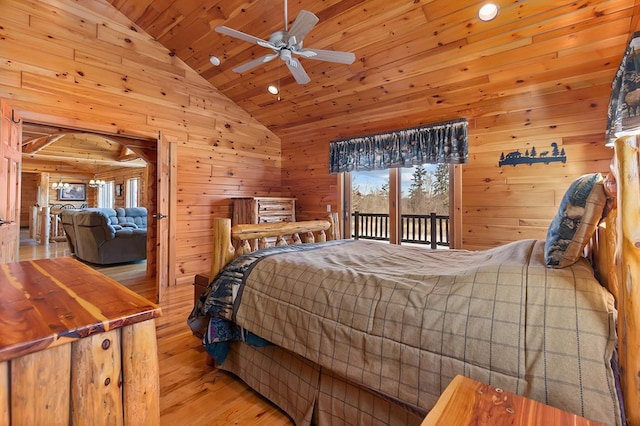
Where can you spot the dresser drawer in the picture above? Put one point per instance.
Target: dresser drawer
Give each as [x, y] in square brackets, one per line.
[263, 210]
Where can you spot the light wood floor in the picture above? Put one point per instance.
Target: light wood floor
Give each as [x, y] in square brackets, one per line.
[191, 392]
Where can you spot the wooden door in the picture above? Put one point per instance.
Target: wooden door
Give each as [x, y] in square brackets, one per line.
[165, 216]
[10, 160]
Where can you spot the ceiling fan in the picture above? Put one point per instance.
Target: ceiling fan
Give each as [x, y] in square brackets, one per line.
[287, 44]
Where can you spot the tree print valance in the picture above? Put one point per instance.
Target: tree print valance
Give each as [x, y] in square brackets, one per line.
[624, 102]
[429, 144]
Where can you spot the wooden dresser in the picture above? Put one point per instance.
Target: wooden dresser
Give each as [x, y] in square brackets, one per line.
[76, 347]
[468, 402]
[263, 209]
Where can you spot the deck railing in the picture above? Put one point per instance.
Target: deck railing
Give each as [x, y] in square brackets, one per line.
[431, 229]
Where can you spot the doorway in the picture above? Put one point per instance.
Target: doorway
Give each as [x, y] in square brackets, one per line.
[47, 146]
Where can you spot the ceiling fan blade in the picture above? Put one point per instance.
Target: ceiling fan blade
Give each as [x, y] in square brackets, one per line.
[300, 75]
[304, 22]
[267, 44]
[306, 53]
[239, 34]
[329, 55]
[254, 63]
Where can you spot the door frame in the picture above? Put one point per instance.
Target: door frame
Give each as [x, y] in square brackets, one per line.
[10, 182]
[146, 148]
[165, 215]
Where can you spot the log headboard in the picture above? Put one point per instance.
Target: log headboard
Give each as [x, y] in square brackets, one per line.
[618, 260]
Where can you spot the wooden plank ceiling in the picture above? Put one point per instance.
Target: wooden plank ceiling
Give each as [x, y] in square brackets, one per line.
[416, 61]
[50, 148]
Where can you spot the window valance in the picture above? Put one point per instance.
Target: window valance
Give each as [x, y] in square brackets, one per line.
[444, 142]
[624, 102]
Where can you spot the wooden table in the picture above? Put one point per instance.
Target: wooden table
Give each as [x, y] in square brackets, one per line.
[468, 402]
[76, 347]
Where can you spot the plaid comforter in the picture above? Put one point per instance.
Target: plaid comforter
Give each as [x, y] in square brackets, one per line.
[404, 321]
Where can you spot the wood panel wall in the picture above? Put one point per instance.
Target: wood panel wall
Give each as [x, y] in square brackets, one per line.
[81, 64]
[29, 191]
[503, 204]
[499, 204]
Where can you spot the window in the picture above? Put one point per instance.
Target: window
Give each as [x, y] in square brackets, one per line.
[106, 196]
[370, 205]
[444, 143]
[132, 192]
[401, 205]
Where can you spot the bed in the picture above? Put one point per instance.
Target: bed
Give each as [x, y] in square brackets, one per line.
[334, 332]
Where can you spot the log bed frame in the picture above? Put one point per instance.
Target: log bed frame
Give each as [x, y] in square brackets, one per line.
[615, 254]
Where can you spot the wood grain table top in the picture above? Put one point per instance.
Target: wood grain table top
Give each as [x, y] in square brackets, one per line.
[48, 302]
[469, 402]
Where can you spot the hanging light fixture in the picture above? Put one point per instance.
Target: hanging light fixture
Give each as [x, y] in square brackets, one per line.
[59, 184]
[96, 183]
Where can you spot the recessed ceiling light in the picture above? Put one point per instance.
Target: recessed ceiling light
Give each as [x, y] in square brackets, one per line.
[214, 60]
[272, 89]
[488, 12]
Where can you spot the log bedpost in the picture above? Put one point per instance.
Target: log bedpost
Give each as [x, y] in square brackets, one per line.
[334, 230]
[627, 264]
[223, 250]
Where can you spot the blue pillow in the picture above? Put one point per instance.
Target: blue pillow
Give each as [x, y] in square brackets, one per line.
[580, 212]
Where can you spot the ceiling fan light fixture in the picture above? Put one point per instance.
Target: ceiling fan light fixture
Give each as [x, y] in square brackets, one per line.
[488, 12]
[285, 55]
[286, 43]
[273, 89]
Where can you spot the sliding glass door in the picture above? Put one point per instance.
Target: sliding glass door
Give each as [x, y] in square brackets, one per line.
[400, 205]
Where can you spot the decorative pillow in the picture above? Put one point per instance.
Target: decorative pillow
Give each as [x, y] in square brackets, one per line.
[580, 212]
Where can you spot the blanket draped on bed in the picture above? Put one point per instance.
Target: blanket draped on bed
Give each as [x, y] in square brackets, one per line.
[404, 321]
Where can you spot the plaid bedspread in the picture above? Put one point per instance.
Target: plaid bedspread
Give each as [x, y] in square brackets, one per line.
[404, 321]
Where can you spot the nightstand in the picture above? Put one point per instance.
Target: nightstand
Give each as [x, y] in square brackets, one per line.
[468, 402]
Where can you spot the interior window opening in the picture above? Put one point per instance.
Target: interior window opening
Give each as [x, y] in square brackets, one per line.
[133, 192]
[106, 196]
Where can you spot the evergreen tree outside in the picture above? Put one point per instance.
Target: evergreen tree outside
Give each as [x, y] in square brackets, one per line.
[418, 189]
[441, 184]
[424, 190]
[441, 189]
